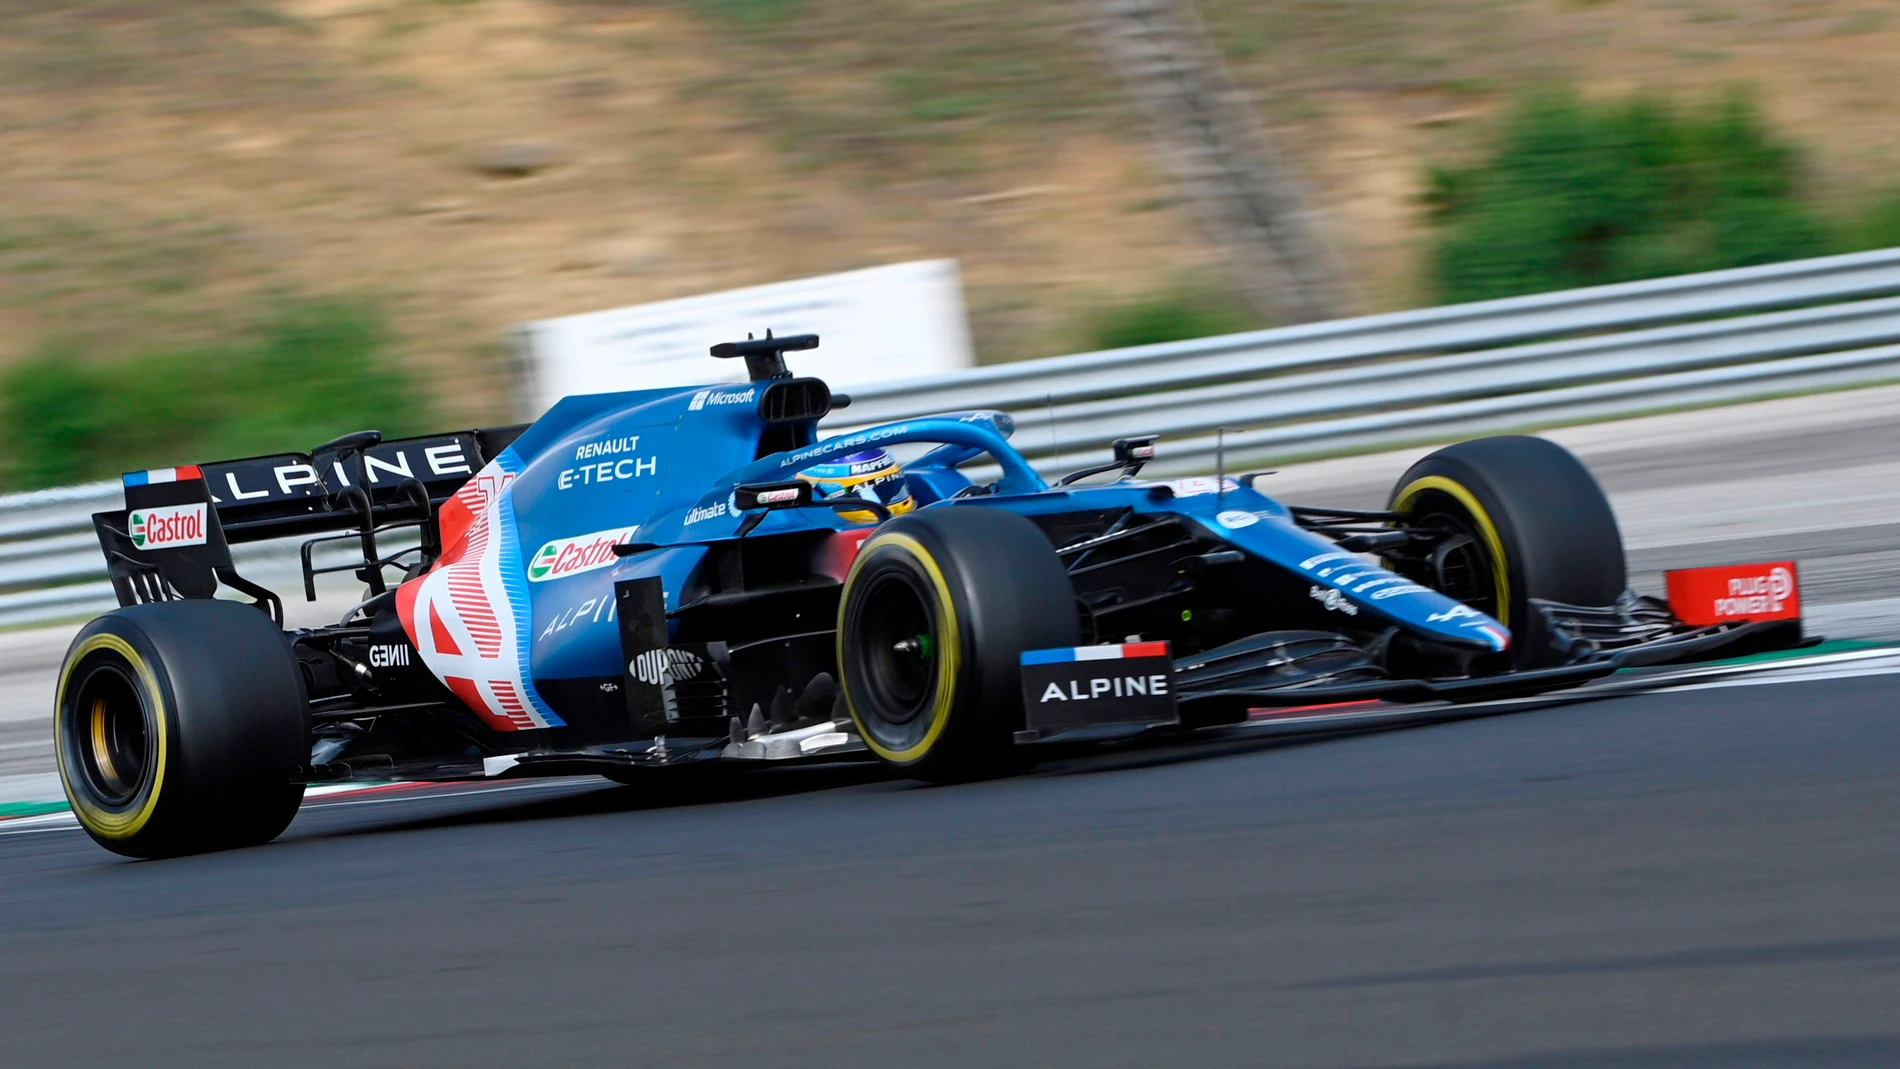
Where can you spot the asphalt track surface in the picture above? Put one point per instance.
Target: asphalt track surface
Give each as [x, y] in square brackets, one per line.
[1689, 878]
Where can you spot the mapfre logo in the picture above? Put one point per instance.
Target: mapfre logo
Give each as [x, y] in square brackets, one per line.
[572, 556]
[721, 397]
[167, 527]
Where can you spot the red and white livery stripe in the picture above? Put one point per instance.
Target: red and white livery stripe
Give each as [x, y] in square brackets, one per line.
[1125, 650]
[459, 616]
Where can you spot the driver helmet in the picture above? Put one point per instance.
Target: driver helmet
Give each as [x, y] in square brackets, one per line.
[872, 474]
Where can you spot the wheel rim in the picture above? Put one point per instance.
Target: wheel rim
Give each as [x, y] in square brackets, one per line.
[896, 648]
[1463, 568]
[108, 736]
[1459, 565]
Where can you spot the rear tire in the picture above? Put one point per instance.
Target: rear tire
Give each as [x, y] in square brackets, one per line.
[934, 616]
[182, 727]
[1534, 524]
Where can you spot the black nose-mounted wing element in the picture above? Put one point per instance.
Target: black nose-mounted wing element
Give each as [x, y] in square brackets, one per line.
[790, 407]
[765, 357]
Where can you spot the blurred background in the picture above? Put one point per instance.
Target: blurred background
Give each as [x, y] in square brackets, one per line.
[233, 226]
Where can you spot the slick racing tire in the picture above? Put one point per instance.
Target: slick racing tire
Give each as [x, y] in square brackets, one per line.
[181, 727]
[1527, 520]
[935, 614]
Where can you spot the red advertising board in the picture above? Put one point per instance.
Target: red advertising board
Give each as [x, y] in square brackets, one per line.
[1733, 593]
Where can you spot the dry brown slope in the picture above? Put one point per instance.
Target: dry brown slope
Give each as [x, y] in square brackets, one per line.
[154, 195]
[165, 164]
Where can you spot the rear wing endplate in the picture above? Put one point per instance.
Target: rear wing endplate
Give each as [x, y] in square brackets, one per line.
[173, 538]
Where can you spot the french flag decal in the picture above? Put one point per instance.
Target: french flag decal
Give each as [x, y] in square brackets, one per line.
[1096, 653]
[1118, 689]
[163, 475]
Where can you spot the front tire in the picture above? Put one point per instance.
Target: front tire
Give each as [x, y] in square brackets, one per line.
[934, 616]
[181, 727]
[1525, 520]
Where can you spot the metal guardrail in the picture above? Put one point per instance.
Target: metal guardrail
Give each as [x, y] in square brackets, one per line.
[1457, 369]
[1431, 374]
[51, 567]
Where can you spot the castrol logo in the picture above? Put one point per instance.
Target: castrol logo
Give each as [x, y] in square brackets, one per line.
[572, 556]
[167, 527]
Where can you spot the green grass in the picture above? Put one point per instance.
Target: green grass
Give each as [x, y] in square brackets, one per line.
[885, 85]
[94, 279]
[1176, 316]
[747, 12]
[227, 52]
[1878, 227]
[303, 373]
[1289, 49]
[1867, 21]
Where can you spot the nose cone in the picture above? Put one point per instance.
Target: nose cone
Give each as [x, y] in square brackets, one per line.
[1467, 626]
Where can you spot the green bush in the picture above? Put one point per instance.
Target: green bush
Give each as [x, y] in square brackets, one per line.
[753, 12]
[1879, 227]
[305, 373]
[1581, 194]
[1168, 317]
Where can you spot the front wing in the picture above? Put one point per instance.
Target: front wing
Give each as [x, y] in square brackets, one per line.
[1081, 715]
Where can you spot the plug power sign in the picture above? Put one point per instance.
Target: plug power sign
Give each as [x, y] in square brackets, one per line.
[1736, 592]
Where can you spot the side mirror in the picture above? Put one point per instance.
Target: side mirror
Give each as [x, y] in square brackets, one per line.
[757, 499]
[1131, 455]
[792, 494]
[1134, 453]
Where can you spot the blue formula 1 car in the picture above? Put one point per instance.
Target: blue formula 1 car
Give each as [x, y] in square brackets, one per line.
[672, 577]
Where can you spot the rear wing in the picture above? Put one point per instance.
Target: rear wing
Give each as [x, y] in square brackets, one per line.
[173, 538]
[300, 493]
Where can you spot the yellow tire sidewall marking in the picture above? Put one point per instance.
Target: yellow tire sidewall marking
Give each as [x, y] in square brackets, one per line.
[949, 646]
[1487, 530]
[99, 821]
